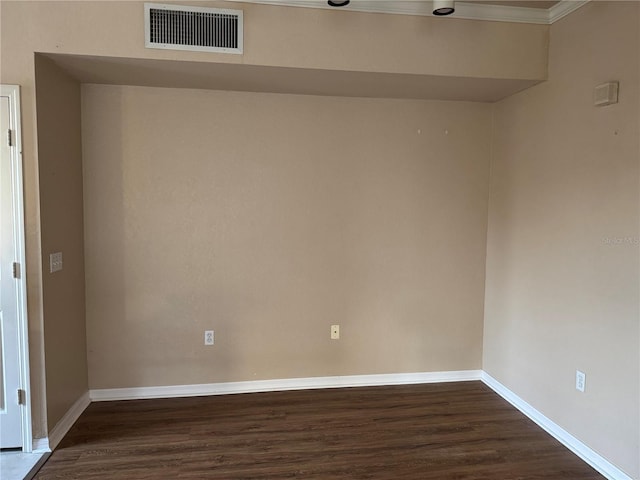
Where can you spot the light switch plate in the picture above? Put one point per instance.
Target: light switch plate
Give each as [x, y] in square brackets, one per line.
[55, 262]
[605, 94]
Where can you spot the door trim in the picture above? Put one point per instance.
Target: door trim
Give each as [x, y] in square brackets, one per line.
[13, 93]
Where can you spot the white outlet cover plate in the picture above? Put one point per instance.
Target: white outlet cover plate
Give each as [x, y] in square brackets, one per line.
[335, 332]
[209, 337]
[55, 262]
[581, 380]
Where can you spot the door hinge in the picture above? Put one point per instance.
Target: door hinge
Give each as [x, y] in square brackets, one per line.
[9, 138]
[16, 270]
[22, 397]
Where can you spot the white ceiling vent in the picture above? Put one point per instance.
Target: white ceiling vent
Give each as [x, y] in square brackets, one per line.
[177, 27]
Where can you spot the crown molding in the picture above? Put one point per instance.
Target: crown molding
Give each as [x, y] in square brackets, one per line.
[464, 10]
[564, 8]
[500, 13]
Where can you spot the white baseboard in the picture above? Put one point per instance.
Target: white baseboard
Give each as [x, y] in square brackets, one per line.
[101, 395]
[602, 465]
[61, 428]
[41, 445]
[592, 458]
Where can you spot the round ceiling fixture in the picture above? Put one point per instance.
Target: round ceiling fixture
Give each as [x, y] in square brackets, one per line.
[443, 7]
[338, 3]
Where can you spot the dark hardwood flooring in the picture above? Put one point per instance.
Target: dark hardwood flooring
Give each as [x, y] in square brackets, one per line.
[448, 431]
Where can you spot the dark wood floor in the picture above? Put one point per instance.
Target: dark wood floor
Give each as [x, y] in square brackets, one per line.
[440, 431]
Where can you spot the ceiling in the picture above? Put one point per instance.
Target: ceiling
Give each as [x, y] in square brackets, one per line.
[543, 4]
[543, 12]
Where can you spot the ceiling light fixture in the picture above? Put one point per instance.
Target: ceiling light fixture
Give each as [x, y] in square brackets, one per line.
[338, 3]
[443, 7]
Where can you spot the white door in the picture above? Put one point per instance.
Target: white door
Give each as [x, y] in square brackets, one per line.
[10, 409]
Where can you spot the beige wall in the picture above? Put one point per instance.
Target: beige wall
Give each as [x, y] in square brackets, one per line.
[562, 265]
[356, 238]
[60, 175]
[303, 38]
[269, 217]
[295, 37]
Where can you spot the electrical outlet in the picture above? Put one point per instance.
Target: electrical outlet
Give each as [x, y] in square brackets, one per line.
[209, 337]
[55, 262]
[581, 380]
[335, 332]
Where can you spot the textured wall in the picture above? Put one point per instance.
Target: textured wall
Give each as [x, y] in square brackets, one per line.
[270, 217]
[61, 204]
[276, 36]
[562, 265]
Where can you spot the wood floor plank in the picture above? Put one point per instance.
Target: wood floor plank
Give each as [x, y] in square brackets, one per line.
[452, 431]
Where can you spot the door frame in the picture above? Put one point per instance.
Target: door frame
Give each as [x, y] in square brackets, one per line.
[13, 92]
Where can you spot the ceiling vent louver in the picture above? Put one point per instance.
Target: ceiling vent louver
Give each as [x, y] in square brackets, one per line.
[176, 27]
